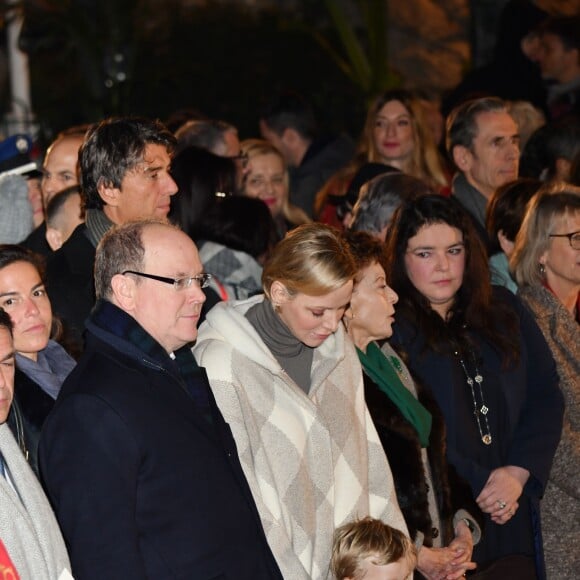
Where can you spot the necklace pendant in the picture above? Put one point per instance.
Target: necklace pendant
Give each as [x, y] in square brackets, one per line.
[478, 379]
[484, 410]
[486, 439]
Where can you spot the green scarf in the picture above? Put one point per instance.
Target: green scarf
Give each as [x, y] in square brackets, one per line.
[377, 366]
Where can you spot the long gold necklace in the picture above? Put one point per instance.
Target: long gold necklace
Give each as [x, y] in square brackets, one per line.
[480, 409]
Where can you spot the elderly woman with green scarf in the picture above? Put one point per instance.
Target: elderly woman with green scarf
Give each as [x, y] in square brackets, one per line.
[438, 506]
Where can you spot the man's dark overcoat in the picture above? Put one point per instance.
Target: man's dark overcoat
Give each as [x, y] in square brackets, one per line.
[141, 468]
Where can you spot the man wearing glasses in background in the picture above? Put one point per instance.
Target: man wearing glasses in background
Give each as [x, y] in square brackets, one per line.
[141, 468]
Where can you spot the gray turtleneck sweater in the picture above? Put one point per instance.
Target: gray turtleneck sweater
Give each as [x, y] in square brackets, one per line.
[294, 357]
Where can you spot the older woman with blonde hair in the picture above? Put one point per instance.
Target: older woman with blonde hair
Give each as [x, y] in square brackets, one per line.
[266, 177]
[546, 266]
[288, 381]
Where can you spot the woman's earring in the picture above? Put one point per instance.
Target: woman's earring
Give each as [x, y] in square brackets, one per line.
[542, 269]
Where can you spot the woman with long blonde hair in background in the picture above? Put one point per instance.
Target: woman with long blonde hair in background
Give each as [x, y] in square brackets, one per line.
[397, 134]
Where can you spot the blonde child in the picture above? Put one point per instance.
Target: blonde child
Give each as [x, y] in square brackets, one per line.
[371, 550]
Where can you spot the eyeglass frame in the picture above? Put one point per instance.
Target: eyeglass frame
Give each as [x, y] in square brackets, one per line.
[202, 280]
[569, 236]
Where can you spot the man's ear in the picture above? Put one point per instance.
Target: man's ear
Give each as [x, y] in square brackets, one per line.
[109, 194]
[348, 313]
[279, 294]
[462, 157]
[53, 238]
[123, 289]
[290, 137]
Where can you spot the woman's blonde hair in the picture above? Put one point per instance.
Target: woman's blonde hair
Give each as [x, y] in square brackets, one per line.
[251, 148]
[426, 161]
[312, 259]
[544, 210]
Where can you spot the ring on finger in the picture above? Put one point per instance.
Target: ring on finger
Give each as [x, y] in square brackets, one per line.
[501, 503]
[510, 513]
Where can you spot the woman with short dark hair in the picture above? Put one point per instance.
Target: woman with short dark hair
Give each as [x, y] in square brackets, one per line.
[438, 506]
[41, 363]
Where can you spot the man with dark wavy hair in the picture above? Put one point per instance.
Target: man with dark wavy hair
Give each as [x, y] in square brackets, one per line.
[124, 171]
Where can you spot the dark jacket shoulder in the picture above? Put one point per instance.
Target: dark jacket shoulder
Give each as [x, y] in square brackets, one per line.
[70, 282]
[30, 408]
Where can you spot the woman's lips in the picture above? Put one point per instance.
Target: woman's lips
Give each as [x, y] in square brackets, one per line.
[269, 201]
[36, 328]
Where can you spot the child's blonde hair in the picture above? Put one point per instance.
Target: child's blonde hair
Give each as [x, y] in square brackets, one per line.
[368, 538]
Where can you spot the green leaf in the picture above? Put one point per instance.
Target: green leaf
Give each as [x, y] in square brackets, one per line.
[361, 70]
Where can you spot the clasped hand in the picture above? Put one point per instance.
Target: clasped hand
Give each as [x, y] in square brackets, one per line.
[448, 563]
[499, 496]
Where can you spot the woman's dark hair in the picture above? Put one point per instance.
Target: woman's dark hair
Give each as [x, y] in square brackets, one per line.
[199, 176]
[240, 223]
[11, 253]
[473, 306]
[506, 209]
[366, 249]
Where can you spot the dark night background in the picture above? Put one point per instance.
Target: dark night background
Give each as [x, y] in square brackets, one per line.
[92, 59]
[89, 59]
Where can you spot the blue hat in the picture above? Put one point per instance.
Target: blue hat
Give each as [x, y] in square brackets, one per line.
[15, 156]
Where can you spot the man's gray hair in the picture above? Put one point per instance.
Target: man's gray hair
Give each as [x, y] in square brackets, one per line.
[120, 249]
[380, 198]
[205, 134]
[462, 121]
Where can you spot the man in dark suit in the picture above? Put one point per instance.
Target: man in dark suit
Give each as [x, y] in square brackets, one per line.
[141, 468]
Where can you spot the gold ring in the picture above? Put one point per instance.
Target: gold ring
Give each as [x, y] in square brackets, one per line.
[501, 504]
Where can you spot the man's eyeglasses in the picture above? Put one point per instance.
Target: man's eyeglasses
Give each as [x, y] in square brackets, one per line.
[573, 238]
[202, 280]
